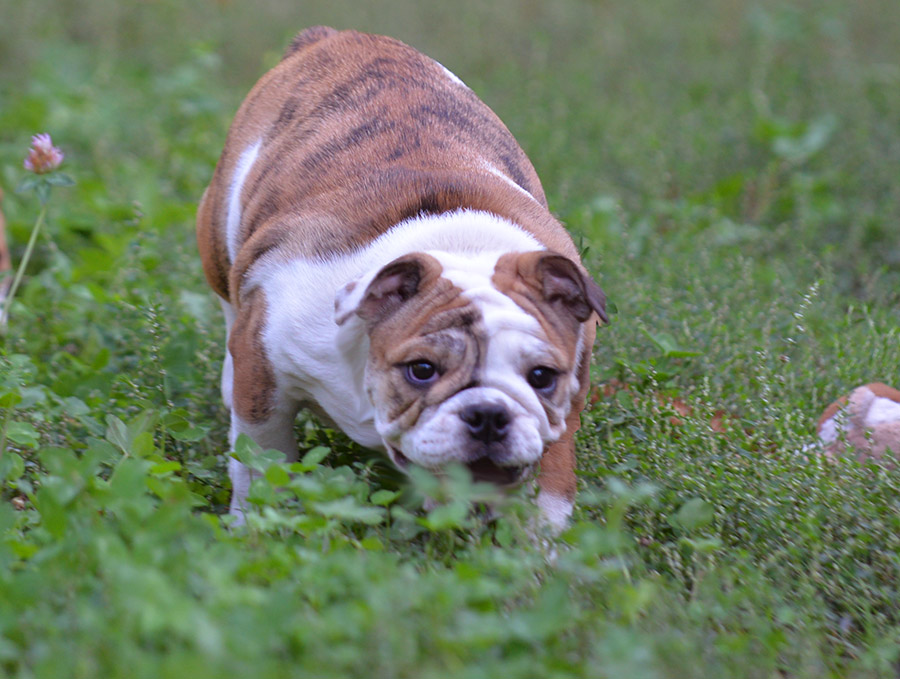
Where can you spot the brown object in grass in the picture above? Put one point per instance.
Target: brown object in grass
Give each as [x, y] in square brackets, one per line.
[865, 423]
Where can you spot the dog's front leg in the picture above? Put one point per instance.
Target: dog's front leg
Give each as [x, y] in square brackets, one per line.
[259, 408]
[556, 480]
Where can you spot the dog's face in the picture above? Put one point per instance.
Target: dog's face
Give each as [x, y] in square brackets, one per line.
[473, 359]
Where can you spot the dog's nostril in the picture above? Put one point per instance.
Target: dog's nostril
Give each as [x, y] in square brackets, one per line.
[486, 423]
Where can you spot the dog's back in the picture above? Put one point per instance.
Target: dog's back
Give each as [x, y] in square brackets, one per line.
[359, 132]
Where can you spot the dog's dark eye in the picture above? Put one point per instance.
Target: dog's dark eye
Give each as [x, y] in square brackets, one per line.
[421, 372]
[542, 378]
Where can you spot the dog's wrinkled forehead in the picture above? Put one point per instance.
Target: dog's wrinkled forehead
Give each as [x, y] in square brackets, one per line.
[409, 296]
[475, 277]
[538, 293]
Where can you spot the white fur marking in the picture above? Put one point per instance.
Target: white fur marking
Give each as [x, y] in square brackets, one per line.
[516, 342]
[436, 438]
[494, 171]
[463, 232]
[228, 363]
[555, 510]
[323, 362]
[450, 74]
[241, 478]
[829, 432]
[233, 220]
[882, 410]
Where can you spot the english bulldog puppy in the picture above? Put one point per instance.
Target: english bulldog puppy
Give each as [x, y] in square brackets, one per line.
[385, 257]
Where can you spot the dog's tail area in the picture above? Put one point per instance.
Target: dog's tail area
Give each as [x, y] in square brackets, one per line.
[307, 37]
[5, 264]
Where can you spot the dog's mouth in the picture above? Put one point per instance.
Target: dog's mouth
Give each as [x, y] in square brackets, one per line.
[488, 471]
[483, 469]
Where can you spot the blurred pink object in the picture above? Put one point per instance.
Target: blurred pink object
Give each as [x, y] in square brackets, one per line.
[43, 157]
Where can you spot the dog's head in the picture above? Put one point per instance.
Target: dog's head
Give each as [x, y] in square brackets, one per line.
[473, 359]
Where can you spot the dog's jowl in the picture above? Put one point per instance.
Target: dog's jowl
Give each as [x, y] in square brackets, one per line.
[384, 256]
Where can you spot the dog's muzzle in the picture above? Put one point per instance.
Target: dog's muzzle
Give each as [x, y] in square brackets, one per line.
[485, 453]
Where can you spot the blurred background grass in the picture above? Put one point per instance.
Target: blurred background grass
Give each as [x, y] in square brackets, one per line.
[768, 114]
[730, 170]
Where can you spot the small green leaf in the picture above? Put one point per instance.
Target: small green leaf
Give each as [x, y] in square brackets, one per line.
[372, 544]
[9, 398]
[250, 454]
[383, 498]
[188, 434]
[117, 433]
[43, 191]
[23, 434]
[32, 396]
[166, 467]
[442, 517]
[316, 455]
[143, 422]
[246, 450]
[74, 407]
[347, 509]
[53, 516]
[59, 461]
[702, 545]
[59, 179]
[142, 445]
[11, 466]
[693, 514]
[28, 184]
[668, 346]
[128, 480]
[800, 147]
[277, 476]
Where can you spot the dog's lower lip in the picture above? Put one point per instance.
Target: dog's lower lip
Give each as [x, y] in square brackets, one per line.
[482, 469]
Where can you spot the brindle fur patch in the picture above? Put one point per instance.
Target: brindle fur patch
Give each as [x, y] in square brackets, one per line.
[254, 379]
[359, 133]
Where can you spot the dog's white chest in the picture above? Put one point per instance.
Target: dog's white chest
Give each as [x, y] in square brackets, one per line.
[321, 364]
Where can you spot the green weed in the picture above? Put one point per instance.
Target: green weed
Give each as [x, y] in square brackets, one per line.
[729, 170]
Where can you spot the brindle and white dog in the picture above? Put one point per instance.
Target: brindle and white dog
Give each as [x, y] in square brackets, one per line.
[384, 256]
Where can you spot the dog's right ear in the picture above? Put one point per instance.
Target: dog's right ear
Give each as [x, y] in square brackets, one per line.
[379, 293]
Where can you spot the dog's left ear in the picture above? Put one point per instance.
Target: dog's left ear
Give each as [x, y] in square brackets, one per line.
[380, 293]
[566, 285]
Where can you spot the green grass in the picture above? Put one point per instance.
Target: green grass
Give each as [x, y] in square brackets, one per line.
[729, 169]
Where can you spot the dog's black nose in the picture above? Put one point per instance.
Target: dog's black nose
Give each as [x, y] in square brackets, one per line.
[487, 422]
